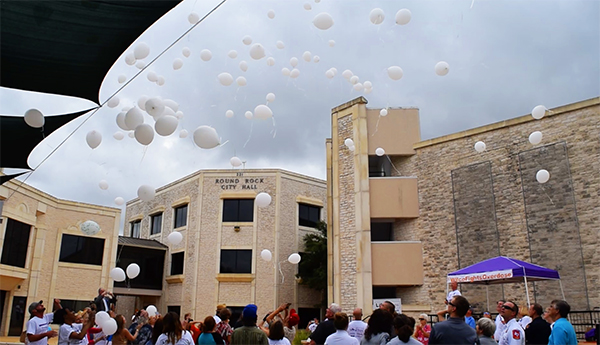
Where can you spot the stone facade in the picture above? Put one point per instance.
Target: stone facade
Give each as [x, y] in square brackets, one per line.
[474, 206]
[46, 277]
[275, 227]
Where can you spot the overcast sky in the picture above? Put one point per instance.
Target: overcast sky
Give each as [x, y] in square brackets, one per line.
[505, 58]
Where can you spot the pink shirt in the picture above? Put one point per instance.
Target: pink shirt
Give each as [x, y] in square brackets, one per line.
[421, 337]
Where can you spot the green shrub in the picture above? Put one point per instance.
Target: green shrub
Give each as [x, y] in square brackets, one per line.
[301, 334]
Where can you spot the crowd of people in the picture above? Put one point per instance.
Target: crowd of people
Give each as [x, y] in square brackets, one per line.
[512, 326]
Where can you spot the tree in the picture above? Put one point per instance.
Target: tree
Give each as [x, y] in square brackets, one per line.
[312, 269]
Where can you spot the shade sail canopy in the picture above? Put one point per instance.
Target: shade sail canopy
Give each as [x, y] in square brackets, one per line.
[67, 47]
[501, 270]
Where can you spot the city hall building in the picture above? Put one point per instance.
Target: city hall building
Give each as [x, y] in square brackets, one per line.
[224, 232]
[400, 222]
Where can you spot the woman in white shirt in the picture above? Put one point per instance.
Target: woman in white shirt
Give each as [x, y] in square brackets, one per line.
[71, 333]
[341, 336]
[173, 333]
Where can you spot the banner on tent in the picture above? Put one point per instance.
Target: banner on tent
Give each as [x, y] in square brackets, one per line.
[474, 277]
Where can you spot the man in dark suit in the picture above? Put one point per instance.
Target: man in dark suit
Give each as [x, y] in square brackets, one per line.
[104, 300]
[538, 331]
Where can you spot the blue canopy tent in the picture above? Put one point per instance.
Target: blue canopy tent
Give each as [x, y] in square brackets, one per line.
[502, 270]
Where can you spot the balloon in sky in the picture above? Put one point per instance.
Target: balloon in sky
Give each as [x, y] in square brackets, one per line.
[119, 201]
[263, 112]
[248, 115]
[142, 102]
[232, 54]
[383, 112]
[166, 125]
[113, 102]
[186, 52]
[247, 40]
[270, 61]
[271, 14]
[285, 71]
[257, 51]
[307, 6]
[331, 43]
[241, 81]
[130, 59]
[376, 16]
[307, 56]
[141, 51]
[229, 113]
[235, 161]
[160, 81]
[225, 79]
[121, 121]
[152, 76]
[169, 103]
[134, 118]
[347, 74]
[294, 61]
[177, 63]
[122, 78]
[270, 97]
[146, 193]
[183, 133]
[329, 74]
[140, 64]
[403, 16]
[119, 135]
[103, 185]
[358, 87]
[144, 134]
[34, 118]
[316, 59]
[442, 68]
[295, 73]
[206, 137]
[323, 21]
[354, 79]
[154, 106]
[93, 139]
[280, 45]
[243, 66]
[395, 72]
[193, 18]
[205, 55]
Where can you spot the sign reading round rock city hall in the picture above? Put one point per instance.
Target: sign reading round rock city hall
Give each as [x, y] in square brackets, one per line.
[240, 182]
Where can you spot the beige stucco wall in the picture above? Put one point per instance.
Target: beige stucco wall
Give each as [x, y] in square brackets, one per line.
[396, 133]
[394, 197]
[408, 257]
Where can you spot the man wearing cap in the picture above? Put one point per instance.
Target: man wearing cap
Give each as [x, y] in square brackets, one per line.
[38, 325]
[216, 316]
[325, 328]
[249, 334]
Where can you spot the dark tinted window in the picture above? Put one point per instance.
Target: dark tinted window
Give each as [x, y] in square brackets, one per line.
[238, 210]
[155, 224]
[151, 262]
[81, 250]
[384, 292]
[309, 215]
[135, 228]
[174, 308]
[177, 263]
[236, 261]
[17, 316]
[181, 216]
[16, 240]
[382, 232]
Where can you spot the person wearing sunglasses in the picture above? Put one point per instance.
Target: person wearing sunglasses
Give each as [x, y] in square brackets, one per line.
[513, 333]
[454, 330]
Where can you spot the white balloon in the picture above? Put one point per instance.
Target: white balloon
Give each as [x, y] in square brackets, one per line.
[294, 61]
[243, 65]
[307, 56]
[249, 115]
[229, 113]
[270, 61]
[167, 111]
[179, 115]
[119, 135]
[403, 16]
[538, 112]
[307, 6]
[294, 258]
[205, 55]
[151, 310]
[383, 112]
[235, 161]
[144, 134]
[358, 87]
[354, 79]
[225, 79]
[266, 255]
[133, 270]
[367, 84]
[329, 74]
[376, 16]
[134, 117]
[177, 63]
[442, 68]
[379, 151]
[175, 238]
[257, 51]
[271, 14]
[263, 112]
[89, 227]
[347, 74]
[130, 59]
[119, 201]
[368, 90]
[140, 64]
[152, 76]
[262, 199]
[160, 81]
[270, 97]
[186, 52]
[316, 59]
[130, 134]
[542, 176]
[241, 81]
[323, 21]
[232, 54]
[348, 142]
[101, 317]
[334, 70]
[121, 121]
[113, 102]
[331, 43]
[183, 133]
[351, 148]
[103, 184]
[109, 327]
[146, 193]
[93, 138]
[279, 45]
[247, 40]
[193, 18]
[122, 78]
[117, 274]
[141, 51]
[294, 73]
[285, 71]
[535, 137]
[171, 104]
[166, 125]
[206, 137]
[479, 146]
[395, 72]
[34, 118]
[142, 102]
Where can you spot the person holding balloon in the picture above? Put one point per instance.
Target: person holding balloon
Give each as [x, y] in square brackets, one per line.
[122, 335]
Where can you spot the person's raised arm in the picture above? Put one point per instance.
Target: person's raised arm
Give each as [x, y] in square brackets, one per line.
[277, 311]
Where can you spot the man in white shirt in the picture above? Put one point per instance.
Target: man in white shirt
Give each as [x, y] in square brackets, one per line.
[454, 285]
[513, 333]
[38, 327]
[71, 333]
[356, 328]
[500, 324]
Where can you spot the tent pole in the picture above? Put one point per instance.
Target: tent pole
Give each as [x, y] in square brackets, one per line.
[526, 291]
[487, 296]
[561, 290]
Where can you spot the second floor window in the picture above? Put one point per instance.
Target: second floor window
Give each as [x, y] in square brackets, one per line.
[177, 263]
[155, 224]
[16, 241]
[81, 250]
[180, 214]
[238, 210]
[309, 215]
[135, 227]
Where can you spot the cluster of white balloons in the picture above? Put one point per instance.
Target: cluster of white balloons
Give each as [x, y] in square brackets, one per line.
[349, 144]
[377, 16]
[140, 52]
[118, 275]
[107, 323]
[294, 258]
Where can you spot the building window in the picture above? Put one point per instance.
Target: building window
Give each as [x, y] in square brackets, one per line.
[155, 223]
[379, 166]
[81, 250]
[16, 241]
[384, 292]
[152, 266]
[177, 263]
[238, 210]
[135, 228]
[236, 261]
[174, 308]
[382, 232]
[309, 215]
[181, 216]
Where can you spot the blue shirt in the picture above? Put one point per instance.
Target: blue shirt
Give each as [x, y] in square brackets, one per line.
[562, 333]
[470, 321]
